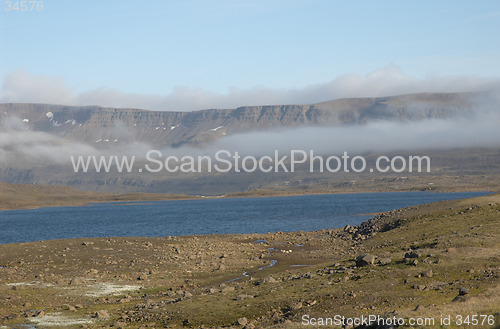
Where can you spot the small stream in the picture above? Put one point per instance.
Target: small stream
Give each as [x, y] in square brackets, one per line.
[245, 274]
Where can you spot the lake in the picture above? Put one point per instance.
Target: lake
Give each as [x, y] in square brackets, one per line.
[207, 216]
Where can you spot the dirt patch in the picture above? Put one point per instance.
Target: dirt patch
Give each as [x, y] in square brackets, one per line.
[109, 289]
[59, 320]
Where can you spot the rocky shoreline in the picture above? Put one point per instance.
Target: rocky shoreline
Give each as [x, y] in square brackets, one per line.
[426, 260]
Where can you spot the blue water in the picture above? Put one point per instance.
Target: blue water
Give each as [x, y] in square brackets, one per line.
[187, 217]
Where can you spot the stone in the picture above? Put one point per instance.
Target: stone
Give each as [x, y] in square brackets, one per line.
[241, 297]
[68, 307]
[228, 289]
[412, 254]
[296, 306]
[411, 261]
[242, 321]
[364, 260]
[40, 313]
[419, 287]
[460, 298]
[266, 280]
[385, 261]
[76, 281]
[102, 314]
[463, 291]
[427, 274]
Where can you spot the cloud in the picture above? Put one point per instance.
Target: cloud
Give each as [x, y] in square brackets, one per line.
[376, 137]
[22, 147]
[21, 86]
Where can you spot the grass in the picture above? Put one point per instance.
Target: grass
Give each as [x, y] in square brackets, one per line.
[458, 240]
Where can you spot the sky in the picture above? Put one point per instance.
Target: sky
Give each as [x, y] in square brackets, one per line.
[197, 54]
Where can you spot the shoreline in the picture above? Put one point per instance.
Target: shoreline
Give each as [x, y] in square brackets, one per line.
[88, 197]
[437, 258]
[149, 234]
[372, 215]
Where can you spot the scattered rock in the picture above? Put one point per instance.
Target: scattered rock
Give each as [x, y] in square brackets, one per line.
[76, 281]
[419, 287]
[344, 278]
[241, 297]
[102, 314]
[311, 302]
[427, 274]
[40, 313]
[227, 289]
[142, 277]
[68, 307]
[419, 308]
[124, 300]
[385, 261]
[242, 321]
[412, 254]
[364, 260]
[119, 324]
[266, 280]
[460, 298]
[411, 261]
[296, 306]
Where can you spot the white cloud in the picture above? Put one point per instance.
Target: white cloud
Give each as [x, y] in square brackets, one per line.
[21, 86]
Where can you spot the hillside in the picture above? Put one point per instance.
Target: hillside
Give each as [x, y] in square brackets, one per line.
[38, 139]
[100, 126]
[415, 267]
[18, 196]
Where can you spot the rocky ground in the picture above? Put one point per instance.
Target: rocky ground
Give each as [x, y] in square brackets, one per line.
[426, 261]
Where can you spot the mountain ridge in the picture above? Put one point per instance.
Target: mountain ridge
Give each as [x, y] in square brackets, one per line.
[96, 124]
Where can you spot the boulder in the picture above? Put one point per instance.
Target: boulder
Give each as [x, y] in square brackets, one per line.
[242, 321]
[366, 259]
[412, 254]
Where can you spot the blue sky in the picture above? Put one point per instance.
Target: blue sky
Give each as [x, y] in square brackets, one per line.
[260, 51]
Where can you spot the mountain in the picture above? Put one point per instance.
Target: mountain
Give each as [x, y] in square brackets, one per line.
[36, 141]
[102, 126]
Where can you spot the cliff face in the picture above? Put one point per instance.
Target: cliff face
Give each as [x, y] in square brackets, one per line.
[37, 139]
[101, 126]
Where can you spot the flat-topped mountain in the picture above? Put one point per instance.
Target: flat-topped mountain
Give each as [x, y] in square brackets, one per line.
[101, 126]
[36, 141]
